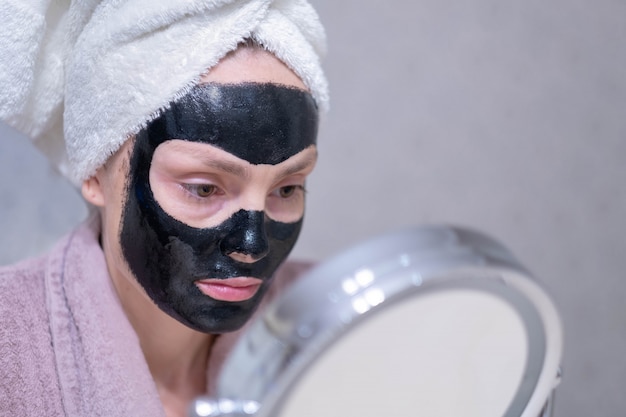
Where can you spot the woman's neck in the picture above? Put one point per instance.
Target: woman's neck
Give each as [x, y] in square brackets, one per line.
[177, 359]
[176, 355]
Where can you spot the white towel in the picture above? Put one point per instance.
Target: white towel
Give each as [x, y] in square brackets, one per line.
[91, 73]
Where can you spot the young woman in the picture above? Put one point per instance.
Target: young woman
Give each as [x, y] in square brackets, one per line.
[196, 205]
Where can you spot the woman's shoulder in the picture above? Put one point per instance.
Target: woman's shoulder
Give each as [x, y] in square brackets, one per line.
[26, 360]
[23, 301]
[22, 281]
[25, 281]
[23, 314]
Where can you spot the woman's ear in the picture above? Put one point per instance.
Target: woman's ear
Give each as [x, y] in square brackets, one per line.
[92, 191]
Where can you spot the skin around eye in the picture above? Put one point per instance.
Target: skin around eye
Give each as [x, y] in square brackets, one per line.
[201, 185]
[286, 203]
[194, 203]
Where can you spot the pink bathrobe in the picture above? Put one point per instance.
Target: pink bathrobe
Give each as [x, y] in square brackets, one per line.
[66, 347]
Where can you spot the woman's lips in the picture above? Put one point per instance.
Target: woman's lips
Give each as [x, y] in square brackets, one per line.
[230, 289]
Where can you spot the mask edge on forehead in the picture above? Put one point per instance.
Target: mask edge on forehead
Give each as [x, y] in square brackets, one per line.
[258, 122]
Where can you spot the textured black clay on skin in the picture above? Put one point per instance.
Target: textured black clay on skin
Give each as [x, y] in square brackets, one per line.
[262, 123]
[269, 122]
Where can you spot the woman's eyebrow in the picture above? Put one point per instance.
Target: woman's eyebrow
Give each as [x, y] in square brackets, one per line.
[226, 166]
[237, 169]
[211, 161]
[301, 165]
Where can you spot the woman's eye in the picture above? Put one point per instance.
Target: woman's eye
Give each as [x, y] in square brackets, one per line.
[201, 190]
[289, 190]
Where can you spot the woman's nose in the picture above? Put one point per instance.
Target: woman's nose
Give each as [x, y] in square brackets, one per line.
[247, 242]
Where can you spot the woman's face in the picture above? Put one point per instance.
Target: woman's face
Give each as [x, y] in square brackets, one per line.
[213, 199]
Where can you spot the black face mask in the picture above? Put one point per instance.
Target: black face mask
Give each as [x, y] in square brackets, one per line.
[260, 123]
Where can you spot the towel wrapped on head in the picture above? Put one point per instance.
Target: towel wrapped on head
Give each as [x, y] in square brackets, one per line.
[79, 77]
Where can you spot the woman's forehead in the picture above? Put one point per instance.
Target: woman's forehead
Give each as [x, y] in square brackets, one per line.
[252, 64]
[263, 123]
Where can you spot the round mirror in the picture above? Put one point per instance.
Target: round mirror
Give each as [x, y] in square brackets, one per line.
[435, 321]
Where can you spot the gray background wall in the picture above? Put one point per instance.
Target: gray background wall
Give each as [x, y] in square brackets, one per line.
[507, 117]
